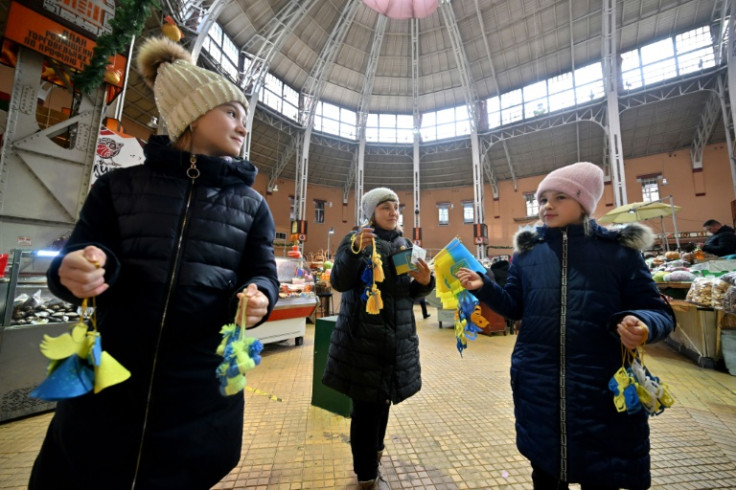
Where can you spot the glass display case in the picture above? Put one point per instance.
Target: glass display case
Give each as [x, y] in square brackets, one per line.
[296, 303]
[28, 311]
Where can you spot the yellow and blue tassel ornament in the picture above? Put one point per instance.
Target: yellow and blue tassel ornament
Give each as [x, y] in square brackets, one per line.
[372, 274]
[78, 364]
[635, 388]
[240, 354]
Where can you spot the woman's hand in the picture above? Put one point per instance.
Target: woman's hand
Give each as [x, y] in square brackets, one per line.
[632, 331]
[256, 305]
[470, 280]
[363, 238]
[423, 274]
[83, 272]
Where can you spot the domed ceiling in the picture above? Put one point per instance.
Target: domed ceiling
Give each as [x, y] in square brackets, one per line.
[466, 50]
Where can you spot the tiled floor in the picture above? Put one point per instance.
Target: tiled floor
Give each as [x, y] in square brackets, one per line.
[456, 433]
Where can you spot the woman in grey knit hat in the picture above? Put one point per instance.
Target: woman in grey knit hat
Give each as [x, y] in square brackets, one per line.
[374, 348]
[167, 249]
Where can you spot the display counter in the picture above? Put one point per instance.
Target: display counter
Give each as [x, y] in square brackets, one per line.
[697, 334]
[676, 290]
[296, 303]
[288, 320]
[28, 311]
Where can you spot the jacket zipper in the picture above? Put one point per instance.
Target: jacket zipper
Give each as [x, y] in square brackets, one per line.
[193, 173]
[563, 360]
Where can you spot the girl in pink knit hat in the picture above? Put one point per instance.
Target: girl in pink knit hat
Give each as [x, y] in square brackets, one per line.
[580, 291]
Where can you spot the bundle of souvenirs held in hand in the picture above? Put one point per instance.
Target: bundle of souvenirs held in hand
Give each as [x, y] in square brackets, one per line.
[635, 388]
[372, 274]
[78, 364]
[240, 353]
[468, 318]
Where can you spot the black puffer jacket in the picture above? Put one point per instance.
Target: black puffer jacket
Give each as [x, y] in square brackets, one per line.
[374, 358]
[722, 242]
[178, 252]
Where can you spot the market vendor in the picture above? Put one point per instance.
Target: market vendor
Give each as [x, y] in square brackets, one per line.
[722, 240]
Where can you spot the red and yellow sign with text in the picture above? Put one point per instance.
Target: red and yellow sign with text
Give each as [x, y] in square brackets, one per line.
[31, 29]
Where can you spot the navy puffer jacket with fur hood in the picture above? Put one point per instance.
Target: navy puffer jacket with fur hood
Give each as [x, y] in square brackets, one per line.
[565, 356]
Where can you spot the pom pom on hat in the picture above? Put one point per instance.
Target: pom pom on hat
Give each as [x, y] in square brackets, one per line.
[183, 90]
[373, 198]
[583, 181]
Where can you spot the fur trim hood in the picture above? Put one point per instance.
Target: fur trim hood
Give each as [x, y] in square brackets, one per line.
[633, 235]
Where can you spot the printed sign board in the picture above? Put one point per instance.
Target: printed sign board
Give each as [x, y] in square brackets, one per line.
[115, 150]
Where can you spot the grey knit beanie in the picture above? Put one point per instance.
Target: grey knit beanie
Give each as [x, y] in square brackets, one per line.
[373, 198]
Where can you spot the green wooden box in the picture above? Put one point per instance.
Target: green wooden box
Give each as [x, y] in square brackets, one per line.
[322, 396]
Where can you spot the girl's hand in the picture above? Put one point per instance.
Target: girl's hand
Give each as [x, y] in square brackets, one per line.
[470, 280]
[423, 274]
[83, 272]
[256, 305]
[632, 331]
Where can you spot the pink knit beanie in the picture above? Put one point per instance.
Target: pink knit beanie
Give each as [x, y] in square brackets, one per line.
[583, 181]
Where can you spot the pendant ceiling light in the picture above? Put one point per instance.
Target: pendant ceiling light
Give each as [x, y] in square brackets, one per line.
[403, 9]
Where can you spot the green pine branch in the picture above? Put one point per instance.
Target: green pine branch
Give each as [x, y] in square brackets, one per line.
[130, 18]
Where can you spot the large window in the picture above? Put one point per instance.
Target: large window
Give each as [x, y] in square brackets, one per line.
[668, 58]
[319, 211]
[468, 212]
[332, 119]
[446, 123]
[652, 63]
[532, 205]
[390, 128]
[280, 97]
[443, 213]
[223, 51]
[650, 189]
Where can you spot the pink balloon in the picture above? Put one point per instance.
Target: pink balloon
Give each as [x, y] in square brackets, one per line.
[403, 9]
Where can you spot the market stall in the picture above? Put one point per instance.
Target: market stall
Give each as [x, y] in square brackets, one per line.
[28, 311]
[297, 302]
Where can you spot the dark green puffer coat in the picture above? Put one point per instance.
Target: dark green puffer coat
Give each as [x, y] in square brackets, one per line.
[375, 358]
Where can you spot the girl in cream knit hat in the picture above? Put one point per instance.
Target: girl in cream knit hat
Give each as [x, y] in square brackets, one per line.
[168, 249]
[582, 293]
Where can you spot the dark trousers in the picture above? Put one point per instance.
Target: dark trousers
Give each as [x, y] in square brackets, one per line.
[545, 481]
[367, 431]
[423, 304]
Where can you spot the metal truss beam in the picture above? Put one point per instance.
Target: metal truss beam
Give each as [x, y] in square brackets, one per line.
[364, 104]
[594, 113]
[416, 158]
[708, 119]
[471, 101]
[283, 160]
[707, 80]
[275, 33]
[611, 81]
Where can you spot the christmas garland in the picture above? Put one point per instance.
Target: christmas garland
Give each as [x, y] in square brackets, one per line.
[130, 18]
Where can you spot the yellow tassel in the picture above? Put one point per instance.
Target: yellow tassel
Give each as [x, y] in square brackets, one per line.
[371, 306]
[378, 275]
[375, 302]
[379, 298]
[378, 269]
